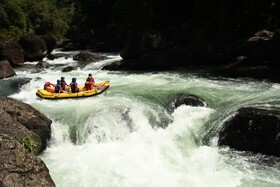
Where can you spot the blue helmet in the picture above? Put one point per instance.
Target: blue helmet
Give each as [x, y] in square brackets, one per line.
[74, 79]
[58, 81]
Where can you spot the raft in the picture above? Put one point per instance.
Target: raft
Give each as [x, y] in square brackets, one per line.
[101, 87]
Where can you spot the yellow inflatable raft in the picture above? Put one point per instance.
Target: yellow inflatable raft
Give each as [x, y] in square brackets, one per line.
[49, 95]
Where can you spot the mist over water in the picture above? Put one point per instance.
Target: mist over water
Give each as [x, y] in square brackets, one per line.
[131, 136]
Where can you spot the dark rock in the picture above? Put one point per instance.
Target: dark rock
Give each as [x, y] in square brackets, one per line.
[68, 69]
[35, 49]
[42, 64]
[21, 120]
[12, 85]
[253, 129]
[58, 55]
[190, 100]
[12, 52]
[88, 57]
[49, 41]
[18, 167]
[6, 70]
[113, 66]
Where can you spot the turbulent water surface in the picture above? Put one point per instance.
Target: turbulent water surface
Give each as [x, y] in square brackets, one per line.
[131, 136]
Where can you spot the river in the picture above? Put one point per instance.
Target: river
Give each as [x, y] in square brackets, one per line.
[131, 136]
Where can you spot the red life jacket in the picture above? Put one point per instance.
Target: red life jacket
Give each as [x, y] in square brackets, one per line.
[90, 79]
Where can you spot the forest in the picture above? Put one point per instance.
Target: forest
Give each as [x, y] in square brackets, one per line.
[80, 20]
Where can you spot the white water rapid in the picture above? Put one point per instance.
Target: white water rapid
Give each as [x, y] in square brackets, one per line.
[129, 136]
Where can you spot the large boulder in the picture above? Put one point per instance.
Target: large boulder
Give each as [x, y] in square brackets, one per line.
[18, 167]
[49, 41]
[22, 122]
[253, 129]
[6, 70]
[35, 48]
[12, 52]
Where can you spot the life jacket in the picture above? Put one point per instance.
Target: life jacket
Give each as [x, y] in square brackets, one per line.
[74, 87]
[63, 85]
[88, 85]
[50, 89]
[90, 79]
[57, 88]
[47, 84]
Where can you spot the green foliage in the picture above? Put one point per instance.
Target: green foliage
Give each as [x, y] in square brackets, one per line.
[31, 145]
[29, 17]
[11, 33]
[12, 19]
[44, 18]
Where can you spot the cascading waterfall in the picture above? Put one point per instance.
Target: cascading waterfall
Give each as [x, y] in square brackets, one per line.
[131, 136]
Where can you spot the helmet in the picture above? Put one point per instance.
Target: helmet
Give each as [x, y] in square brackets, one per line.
[74, 79]
[58, 81]
[90, 74]
[62, 78]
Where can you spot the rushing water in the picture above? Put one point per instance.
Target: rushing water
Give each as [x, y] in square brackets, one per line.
[131, 136]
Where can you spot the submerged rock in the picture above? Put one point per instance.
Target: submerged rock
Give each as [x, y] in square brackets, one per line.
[253, 129]
[191, 100]
[68, 69]
[12, 85]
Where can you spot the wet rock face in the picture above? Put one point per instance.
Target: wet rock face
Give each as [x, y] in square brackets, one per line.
[18, 167]
[253, 129]
[20, 120]
[24, 132]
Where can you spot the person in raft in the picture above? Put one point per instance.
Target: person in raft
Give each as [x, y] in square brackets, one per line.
[58, 87]
[49, 87]
[74, 86]
[89, 84]
[64, 85]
